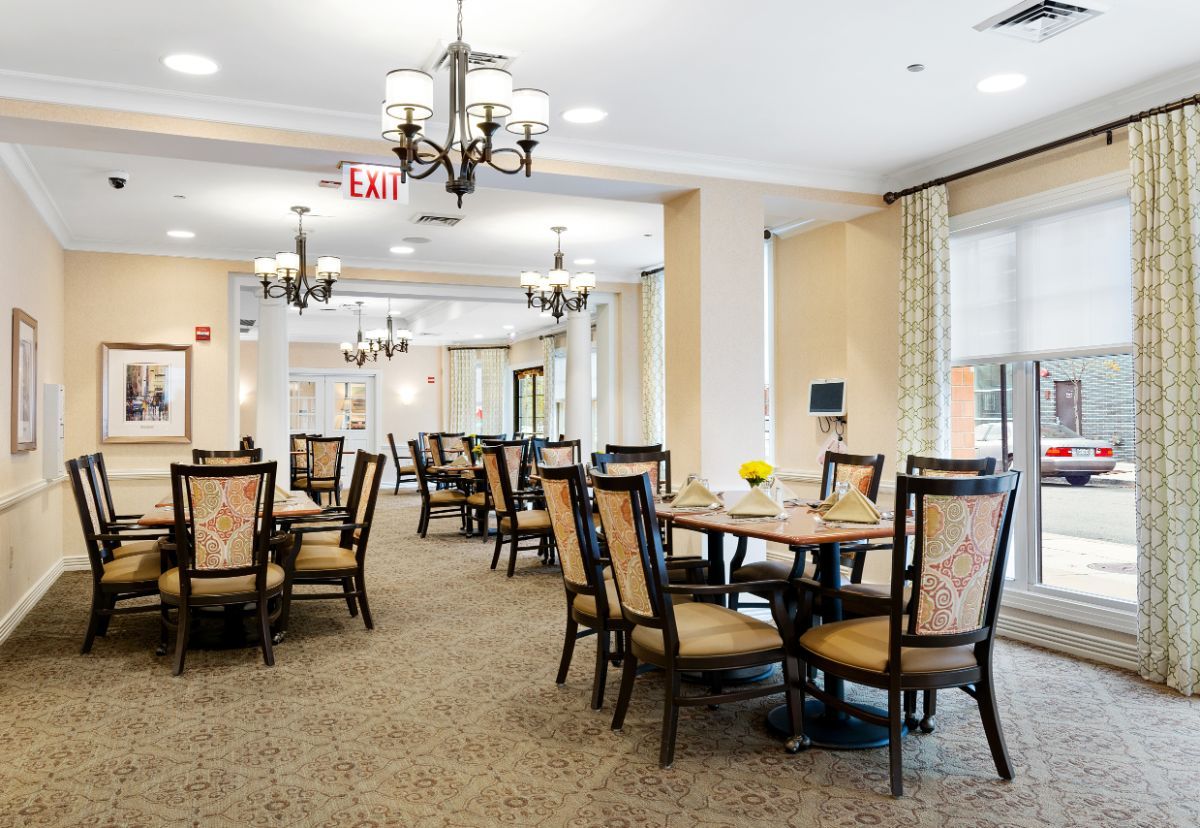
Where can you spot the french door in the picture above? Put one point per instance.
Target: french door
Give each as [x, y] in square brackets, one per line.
[335, 405]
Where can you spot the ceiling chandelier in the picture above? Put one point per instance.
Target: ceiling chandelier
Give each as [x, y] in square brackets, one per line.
[285, 276]
[478, 99]
[394, 340]
[551, 289]
[363, 349]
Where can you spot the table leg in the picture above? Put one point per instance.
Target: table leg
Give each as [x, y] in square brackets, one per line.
[716, 562]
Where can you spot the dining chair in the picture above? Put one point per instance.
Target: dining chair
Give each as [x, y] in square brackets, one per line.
[941, 636]
[247, 442]
[324, 467]
[656, 463]
[679, 636]
[491, 437]
[502, 465]
[216, 457]
[325, 555]
[107, 509]
[223, 543]
[124, 563]
[435, 503]
[616, 448]
[299, 459]
[556, 453]
[402, 469]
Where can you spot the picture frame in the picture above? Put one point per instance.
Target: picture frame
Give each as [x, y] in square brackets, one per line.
[145, 393]
[24, 400]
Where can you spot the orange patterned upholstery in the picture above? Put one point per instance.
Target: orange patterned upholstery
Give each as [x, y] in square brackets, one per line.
[958, 546]
[616, 512]
[360, 515]
[562, 520]
[943, 473]
[558, 456]
[224, 512]
[225, 461]
[324, 458]
[452, 446]
[857, 476]
[632, 469]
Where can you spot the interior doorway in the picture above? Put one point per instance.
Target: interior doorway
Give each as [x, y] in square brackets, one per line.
[335, 405]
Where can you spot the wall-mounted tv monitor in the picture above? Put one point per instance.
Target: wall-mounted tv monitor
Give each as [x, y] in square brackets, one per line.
[827, 398]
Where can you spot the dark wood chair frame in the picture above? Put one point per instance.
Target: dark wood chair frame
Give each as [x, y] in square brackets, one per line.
[902, 619]
[615, 448]
[539, 445]
[507, 503]
[185, 551]
[353, 587]
[336, 492]
[101, 542]
[246, 442]
[429, 511]
[661, 594]
[663, 458]
[108, 510]
[396, 458]
[201, 456]
[298, 466]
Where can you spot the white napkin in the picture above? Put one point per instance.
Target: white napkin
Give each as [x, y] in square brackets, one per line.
[460, 460]
[756, 504]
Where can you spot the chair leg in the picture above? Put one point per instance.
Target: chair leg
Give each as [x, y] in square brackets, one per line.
[423, 523]
[285, 610]
[348, 587]
[512, 554]
[670, 723]
[628, 674]
[107, 604]
[928, 721]
[360, 582]
[499, 546]
[910, 710]
[798, 672]
[569, 636]
[991, 726]
[483, 525]
[93, 620]
[264, 631]
[181, 637]
[734, 600]
[601, 677]
[895, 745]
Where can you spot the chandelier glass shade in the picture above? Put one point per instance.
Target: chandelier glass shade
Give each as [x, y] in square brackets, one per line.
[392, 340]
[479, 98]
[548, 293]
[362, 350]
[285, 275]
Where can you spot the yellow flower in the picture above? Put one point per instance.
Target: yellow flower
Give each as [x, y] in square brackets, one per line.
[755, 471]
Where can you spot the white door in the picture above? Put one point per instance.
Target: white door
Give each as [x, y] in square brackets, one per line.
[336, 405]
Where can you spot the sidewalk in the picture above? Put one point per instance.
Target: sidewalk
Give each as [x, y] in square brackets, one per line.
[1093, 566]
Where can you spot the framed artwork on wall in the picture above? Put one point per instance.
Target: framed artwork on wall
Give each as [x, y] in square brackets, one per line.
[145, 393]
[24, 382]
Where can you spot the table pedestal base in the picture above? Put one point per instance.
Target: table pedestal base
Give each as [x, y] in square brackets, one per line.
[833, 730]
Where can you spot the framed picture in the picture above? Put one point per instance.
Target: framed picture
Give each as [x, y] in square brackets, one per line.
[145, 393]
[24, 382]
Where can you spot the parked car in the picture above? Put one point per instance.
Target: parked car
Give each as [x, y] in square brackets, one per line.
[1063, 452]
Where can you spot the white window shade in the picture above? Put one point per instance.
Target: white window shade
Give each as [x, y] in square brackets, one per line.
[1043, 288]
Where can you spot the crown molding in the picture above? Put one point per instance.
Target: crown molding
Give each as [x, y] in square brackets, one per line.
[1154, 92]
[130, 98]
[14, 159]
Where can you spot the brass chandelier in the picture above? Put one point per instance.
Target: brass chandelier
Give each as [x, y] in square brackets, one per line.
[285, 275]
[362, 350]
[478, 99]
[394, 340]
[551, 288]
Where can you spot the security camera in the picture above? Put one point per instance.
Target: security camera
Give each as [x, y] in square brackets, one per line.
[117, 179]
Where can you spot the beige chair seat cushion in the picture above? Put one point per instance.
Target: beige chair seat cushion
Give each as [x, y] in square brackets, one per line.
[477, 500]
[131, 569]
[586, 604]
[528, 520]
[447, 497]
[711, 630]
[863, 643]
[168, 583]
[322, 485]
[324, 556]
[141, 547]
[769, 571]
[408, 470]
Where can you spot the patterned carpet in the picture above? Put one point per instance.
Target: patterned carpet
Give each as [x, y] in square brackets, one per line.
[447, 715]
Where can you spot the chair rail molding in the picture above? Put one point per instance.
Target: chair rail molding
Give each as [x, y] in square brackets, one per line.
[19, 496]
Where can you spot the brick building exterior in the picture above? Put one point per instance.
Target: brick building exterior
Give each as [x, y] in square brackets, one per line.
[1106, 389]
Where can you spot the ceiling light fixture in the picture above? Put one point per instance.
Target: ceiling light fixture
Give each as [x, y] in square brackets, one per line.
[915, 67]
[394, 340]
[551, 295]
[585, 262]
[285, 275]
[362, 350]
[478, 97]
[400, 250]
[181, 234]
[191, 64]
[1001, 83]
[584, 115]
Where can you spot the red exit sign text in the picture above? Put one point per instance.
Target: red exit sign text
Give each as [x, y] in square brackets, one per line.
[371, 182]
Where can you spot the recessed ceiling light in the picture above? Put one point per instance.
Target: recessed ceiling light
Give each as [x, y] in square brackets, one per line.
[585, 261]
[1001, 83]
[179, 196]
[479, 336]
[191, 64]
[507, 327]
[584, 115]
[415, 240]
[915, 67]
[181, 234]
[401, 250]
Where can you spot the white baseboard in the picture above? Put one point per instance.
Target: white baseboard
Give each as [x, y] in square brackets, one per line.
[29, 600]
[1047, 634]
[76, 563]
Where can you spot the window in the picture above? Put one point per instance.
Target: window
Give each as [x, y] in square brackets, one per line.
[529, 399]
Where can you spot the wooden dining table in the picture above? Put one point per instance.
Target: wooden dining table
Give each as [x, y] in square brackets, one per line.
[295, 505]
[801, 530]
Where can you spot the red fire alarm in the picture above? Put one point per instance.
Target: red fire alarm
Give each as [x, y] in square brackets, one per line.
[203, 333]
[429, 380]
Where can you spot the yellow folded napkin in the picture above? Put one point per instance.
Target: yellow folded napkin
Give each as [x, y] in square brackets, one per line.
[282, 494]
[828, 503]
[756, 504]
[695, 494]
[853, 508]
[460, 460]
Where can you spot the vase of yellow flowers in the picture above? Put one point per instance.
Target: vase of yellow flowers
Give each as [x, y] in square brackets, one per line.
[755, 472]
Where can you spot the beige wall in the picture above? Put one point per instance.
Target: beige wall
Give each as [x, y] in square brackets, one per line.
[525, 353]
[31, 539]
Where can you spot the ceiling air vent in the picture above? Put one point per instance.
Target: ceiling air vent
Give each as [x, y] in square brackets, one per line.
[1038, 20]
[476, 59]
[247, 324]
[435, 220]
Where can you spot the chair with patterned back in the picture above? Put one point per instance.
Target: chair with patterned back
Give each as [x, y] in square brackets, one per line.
[616, 448]
[502, 466]
[680, 636]
[557, 453]
[435, 503]
[298, 451]
[336, 555]
[216, 457]
[402, 466]
[247, 442]
[655, 463]
[493, 438]
[940, 637]
[325, 467]
[125, 563]
[223, 521]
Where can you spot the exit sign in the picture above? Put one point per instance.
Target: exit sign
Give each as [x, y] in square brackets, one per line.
[372, 182]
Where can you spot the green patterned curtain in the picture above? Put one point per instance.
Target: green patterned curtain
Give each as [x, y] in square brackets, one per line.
[462, 390]
[924, 398]
[1165, 204]
[654, 365]
[496, 380]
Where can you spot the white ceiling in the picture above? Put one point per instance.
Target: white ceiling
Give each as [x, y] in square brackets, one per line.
[777, 89]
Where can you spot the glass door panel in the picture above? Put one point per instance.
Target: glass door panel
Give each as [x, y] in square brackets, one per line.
[302, 405]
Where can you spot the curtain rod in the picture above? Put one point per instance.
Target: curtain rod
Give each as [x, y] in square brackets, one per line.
[1103, 129]
[653, 271]
[478, 348]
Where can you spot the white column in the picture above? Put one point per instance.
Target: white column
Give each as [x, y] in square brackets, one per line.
[579, 381]
[606, 374]
[271, 411]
